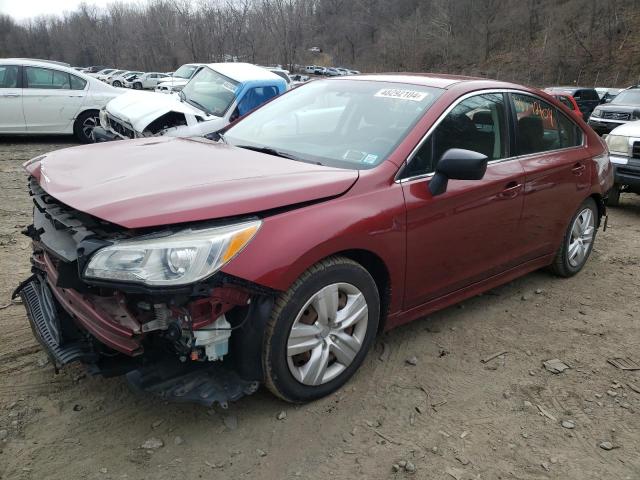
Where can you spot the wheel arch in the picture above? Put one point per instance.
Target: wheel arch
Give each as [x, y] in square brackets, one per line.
[84, 110]
[377, 268]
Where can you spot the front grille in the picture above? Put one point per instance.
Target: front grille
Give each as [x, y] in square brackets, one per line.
[635, 151]
[120, 128]
[616, 115]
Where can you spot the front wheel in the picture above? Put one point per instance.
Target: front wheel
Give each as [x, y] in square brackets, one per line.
[137, 86]
[320, 330]
[84, 125]
[117, 83]
[578, 241]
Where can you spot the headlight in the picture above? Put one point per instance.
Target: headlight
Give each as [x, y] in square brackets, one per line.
[618, 144]
[596, 113]
[177, 259]
[177, 88]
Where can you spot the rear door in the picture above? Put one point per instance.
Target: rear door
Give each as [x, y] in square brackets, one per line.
[50, 101]
[469, 233]
[556, 166]
[11, 112]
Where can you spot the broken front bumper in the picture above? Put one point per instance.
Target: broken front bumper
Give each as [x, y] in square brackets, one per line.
[52, 316]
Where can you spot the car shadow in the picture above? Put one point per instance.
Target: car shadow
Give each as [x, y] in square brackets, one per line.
[29, 139]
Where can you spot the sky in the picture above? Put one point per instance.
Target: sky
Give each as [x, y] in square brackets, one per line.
[23, 9]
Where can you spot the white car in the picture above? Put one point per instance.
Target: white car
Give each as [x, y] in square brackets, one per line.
[119, 80]
[103, 73]
[624, 154]
[43, 98]
[148, 81]
[178, 79]
[217, 95]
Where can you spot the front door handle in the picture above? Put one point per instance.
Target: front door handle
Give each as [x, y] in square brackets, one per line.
[10, 94]
[578, 169]
[511, 190]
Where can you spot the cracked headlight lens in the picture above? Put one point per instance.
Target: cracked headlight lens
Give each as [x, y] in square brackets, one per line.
[176, 259]
[618, 144]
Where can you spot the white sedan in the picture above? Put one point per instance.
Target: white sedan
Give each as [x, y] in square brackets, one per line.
[44, 98]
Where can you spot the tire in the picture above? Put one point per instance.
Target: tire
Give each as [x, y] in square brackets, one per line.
[84, 125]
[566, 264]
[613, 197]
[137, 86]
[117, 83]
[283, 371]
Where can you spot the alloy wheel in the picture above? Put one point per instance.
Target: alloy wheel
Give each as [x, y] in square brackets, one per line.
[327, 334]
[88, 125]
[582, 233]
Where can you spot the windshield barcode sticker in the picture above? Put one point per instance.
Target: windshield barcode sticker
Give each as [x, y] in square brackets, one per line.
[401, 94]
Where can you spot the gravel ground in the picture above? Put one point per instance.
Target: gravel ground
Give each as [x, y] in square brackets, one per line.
[449, 416]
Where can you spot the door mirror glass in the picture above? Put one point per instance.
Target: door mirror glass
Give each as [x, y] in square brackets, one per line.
[457, 164]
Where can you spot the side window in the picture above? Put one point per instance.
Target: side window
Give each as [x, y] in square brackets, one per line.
[77, 83]
[539, 126]
[254, 98]
[477, 123]
[570, 133]
[48, 79]
[8, 76]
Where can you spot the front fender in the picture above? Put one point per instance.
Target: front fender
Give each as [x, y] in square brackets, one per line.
[291, 242]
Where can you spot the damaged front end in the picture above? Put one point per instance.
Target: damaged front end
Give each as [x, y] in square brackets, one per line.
[199, 341]
[114, 128]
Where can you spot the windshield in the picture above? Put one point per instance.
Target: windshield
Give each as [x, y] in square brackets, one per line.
[210, 91]
[347, 123]
[628, 97]
[185, 71]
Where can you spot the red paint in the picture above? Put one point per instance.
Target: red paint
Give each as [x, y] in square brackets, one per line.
[436, 250]
[161, 181]
[86, 311]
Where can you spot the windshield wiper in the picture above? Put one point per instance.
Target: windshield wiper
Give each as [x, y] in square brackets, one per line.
[197, 105]
[268, 151]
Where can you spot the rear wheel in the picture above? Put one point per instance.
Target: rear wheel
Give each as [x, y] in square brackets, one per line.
[84, 125]
[613, 197]
[320, 330]
[578, 241]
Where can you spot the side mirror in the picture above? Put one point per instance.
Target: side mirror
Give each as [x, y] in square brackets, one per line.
[457, 164]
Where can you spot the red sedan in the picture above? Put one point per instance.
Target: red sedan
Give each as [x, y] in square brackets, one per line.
[274, 251]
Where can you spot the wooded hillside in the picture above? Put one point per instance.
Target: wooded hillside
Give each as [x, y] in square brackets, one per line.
[538, 42]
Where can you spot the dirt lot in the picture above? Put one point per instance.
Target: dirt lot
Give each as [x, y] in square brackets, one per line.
[450, 415]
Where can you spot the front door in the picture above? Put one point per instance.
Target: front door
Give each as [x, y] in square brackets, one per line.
[469, 233]
[11, 113]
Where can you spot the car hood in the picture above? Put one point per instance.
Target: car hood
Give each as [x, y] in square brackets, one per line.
[629, 129]
[159, 181]
[613, 107]
[139, 109]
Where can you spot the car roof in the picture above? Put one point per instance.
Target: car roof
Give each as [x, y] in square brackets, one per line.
[242, 72]
[426, 79]
[34, 62]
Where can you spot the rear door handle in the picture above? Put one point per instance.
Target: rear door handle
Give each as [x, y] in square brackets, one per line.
[10, 94]
[578, 168]
[511, 190]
